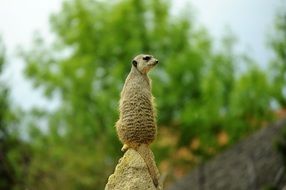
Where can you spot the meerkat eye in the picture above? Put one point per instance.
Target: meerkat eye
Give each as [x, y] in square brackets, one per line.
[146, 57]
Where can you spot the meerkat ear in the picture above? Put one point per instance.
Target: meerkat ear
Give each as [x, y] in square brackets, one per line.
[134, 63]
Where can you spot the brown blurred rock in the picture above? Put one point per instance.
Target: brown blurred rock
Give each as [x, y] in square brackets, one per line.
[131, 173]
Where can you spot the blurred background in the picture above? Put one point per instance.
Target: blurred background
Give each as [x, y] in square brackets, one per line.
[221, 77]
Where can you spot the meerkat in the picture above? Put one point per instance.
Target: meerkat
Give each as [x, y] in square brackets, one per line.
[136, 127]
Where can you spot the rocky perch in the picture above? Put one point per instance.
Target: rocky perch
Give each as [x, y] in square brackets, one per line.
[131, 173]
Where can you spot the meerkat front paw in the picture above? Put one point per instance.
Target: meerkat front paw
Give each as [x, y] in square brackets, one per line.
[124, 148]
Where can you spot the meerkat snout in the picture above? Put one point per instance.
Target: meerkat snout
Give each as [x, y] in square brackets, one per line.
[154, 62]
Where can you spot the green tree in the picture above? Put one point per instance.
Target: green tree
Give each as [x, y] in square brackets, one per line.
[277, 43]
[13, 151]
[97, 40]
[252, 90]
[198, 89]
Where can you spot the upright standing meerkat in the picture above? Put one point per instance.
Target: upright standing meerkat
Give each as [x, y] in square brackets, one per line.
[136, 127]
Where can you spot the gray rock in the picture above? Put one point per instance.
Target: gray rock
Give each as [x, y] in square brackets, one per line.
[252, 164]
[131, 173]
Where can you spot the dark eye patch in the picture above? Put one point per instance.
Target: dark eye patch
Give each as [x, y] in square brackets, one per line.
[146, 57]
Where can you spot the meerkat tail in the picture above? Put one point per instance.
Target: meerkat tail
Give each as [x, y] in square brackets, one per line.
[146, 154]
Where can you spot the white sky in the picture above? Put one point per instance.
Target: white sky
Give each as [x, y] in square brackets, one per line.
[250, 21]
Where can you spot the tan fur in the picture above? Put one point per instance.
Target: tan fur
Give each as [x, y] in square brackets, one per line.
[136, 127]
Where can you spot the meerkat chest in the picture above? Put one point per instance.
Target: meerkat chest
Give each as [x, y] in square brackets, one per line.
[136, 102]
[137, 89]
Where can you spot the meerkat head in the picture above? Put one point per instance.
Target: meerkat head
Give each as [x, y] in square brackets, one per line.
[143, 63]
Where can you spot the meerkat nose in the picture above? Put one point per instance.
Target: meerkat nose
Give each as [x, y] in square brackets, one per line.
[156, 62]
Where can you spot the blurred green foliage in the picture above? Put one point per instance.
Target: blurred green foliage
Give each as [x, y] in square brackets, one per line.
[14, 153]
[277, 42]
[205, 100]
